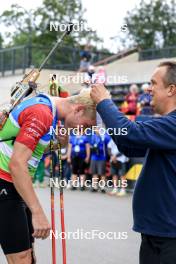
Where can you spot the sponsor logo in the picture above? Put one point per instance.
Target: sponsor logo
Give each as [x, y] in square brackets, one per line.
[3, 192]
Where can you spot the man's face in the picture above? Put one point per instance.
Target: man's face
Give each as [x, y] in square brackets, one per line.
[77, 117]
[158, 90]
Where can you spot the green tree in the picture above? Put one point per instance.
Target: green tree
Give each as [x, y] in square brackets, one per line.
[151, 25]
[33, 26]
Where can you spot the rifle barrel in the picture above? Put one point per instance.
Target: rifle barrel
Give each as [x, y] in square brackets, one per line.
[67, 32]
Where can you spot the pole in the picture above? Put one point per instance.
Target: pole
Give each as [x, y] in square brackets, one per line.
[52, 176]
[64, 254]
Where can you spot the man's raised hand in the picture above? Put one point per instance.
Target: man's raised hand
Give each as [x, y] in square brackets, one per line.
[99, 93]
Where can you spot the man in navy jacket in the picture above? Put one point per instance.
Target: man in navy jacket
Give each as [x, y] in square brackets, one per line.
[154, 201]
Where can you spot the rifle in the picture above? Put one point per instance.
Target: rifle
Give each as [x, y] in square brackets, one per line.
[27, 85]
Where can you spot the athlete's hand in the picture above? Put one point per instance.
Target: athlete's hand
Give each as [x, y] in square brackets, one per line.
[41, 225]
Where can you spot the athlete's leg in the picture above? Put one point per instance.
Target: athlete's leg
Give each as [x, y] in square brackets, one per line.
[34, 259]
[24, 257]
[27, 256]
[31, 231]
[15, 227]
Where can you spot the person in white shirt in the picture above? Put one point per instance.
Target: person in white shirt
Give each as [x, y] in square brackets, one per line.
[118, 170]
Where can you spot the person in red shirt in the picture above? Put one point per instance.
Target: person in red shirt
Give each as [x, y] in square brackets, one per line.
[132, 99]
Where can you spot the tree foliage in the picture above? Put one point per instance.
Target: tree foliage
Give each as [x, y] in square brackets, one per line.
[32, 26]
[152, 24]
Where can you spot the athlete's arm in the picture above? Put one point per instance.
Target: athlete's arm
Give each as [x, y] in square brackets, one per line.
[23, 184]
[34, 122]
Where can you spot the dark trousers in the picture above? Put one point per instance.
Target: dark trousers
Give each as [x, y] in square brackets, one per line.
[157, 250]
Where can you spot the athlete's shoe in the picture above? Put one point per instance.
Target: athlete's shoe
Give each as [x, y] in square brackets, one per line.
[121, 193]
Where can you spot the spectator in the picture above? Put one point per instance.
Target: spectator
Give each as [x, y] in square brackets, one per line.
[66, 165]
[95, 77]
[78, 157]
[145, 100]
[90, 76]
[85, 59]
[118, 169]
[99, 155]
[53, 86]
[38, 180]
[101, 75]
[47, 160]
[131, 100]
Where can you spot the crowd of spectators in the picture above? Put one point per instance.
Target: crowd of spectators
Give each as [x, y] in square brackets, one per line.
[89, 161]
[137, 101]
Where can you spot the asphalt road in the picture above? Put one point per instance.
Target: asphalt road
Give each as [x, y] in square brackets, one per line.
[85, 211]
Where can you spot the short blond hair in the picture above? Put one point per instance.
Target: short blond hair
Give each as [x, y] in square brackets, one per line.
[85, 99]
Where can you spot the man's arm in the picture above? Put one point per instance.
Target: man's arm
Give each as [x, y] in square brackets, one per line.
[156, 133]
[132, 152]
[22, 181]
[129, 152]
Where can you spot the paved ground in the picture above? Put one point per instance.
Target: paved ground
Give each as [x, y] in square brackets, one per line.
[91, 211]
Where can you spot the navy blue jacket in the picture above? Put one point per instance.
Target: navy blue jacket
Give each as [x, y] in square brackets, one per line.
[154, 200]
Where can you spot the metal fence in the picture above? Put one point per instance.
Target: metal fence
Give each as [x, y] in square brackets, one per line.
[22, 57]
[151, 54]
